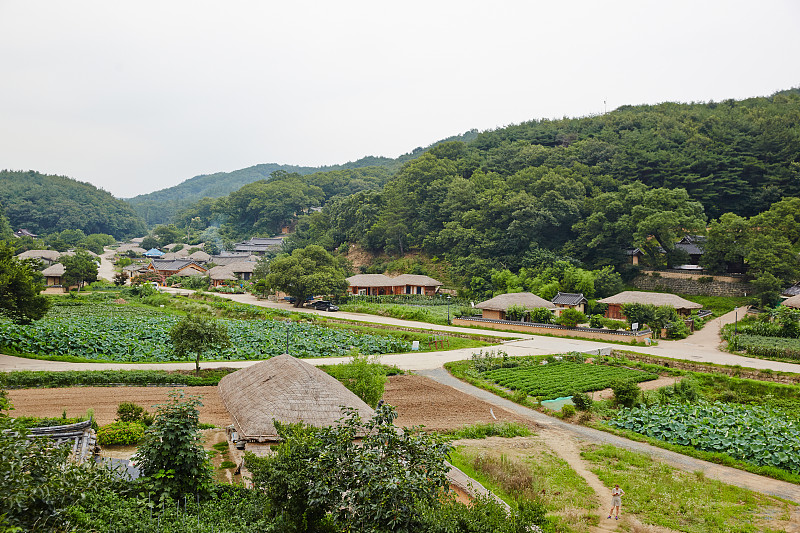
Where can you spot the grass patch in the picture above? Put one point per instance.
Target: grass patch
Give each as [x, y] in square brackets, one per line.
[221, 447]
[664, 496]
[226, 464]
[540, 476]
[711, 457]
[482, 431]
[718, 305]
[24, 379]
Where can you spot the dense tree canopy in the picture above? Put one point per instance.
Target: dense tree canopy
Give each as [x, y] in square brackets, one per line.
[20, 285]
[305, 273]
[44, 204]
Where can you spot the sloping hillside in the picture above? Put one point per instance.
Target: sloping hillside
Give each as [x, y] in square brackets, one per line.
[44, 203]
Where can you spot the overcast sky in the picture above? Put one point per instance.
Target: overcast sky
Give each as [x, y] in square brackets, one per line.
[138, 96]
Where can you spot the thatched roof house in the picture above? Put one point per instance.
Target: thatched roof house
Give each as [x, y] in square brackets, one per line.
[53, 274]
[285, 389]
[616, 302]
[793, 302]
[381, 284]
[48, 257]
[495, 309]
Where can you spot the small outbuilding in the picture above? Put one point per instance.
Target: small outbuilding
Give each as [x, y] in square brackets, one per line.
[496, 308]
[615, 303]
[53, 274]
[570, 300]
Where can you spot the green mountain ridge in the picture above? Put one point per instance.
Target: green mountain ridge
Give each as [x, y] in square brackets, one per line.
[45, 203]
[159, 207]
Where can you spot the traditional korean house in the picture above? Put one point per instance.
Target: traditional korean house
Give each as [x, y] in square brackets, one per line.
[497, 307]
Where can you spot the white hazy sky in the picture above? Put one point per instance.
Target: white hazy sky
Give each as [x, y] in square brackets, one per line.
[139, 96]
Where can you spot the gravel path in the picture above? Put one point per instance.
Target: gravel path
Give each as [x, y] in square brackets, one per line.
[725, 474]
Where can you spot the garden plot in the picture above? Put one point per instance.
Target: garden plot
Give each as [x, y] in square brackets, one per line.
[108, 332]
[563, 378]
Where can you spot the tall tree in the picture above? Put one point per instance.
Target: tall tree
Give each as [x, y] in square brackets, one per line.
[197, 335]
[20, 285]
[81, 268]
[305, 273]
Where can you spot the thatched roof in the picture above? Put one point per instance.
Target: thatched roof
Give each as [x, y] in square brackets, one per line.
[655, 298]
[415, 279]
[794, 302]
[382, 280]
[47, 255]
[222, 272]
[56, 270]
[200, 255]
[525, 299]
[288, 390]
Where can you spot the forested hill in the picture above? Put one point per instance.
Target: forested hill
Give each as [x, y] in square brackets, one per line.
[43, 204]
[586, 189]
[160, 207]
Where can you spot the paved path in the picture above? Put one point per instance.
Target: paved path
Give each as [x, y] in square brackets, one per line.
[700, 347]
[106, 268]
[725, 474]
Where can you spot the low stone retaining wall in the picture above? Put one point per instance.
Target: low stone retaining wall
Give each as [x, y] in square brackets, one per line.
[558, 331]
[691, 285]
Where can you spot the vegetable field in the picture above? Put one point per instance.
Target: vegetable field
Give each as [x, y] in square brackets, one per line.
[108, 332]
[559, 379]
[772, 347]
[750, 433]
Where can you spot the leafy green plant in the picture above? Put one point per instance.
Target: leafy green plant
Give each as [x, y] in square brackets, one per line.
[751, 433]
[120, 433]
[626, 392]
[362, 375]
[570, 318]
[130, 412]
[568, 410]
[481, 431]
[562, 378]
[172, 456]
[582, 401]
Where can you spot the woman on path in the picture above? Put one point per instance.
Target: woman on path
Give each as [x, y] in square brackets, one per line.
[616, 501]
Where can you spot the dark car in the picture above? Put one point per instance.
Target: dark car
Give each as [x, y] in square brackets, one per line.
[324, 305]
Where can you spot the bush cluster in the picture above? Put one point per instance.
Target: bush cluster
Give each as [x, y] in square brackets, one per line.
[120, 433]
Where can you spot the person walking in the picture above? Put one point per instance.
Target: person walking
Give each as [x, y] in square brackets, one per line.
[616, 501]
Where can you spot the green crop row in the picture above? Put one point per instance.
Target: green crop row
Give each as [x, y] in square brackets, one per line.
[754, 434]
[563, 378]
[772, 347]
[132, 334]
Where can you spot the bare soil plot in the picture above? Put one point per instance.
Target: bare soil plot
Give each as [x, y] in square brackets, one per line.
[422, 401]
[105, 400]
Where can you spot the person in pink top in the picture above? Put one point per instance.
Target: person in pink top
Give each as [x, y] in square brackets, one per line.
[616, 501]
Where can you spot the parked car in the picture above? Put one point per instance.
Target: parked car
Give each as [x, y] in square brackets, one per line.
[324, 305]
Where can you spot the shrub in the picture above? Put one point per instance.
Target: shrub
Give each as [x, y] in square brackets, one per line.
[541, 315]
[596, 321]
[615, 325]
[363, 376]
[120, 433]
[626, 393]
[130, 412]
[582, 401]
[677, 330]
[570, 318]
[516, 312]
[568, 410]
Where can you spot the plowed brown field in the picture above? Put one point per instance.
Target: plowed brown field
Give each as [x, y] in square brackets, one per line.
[419, 401]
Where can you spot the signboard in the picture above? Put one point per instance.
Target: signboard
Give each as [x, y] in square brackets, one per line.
[635, 326]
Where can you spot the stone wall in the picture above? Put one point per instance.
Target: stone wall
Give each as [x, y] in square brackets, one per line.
[691, 285]
[556, 331]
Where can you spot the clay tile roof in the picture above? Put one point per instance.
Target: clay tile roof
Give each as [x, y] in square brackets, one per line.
[655, 298]
[525, 299]
[568, 298]
[288, 390]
